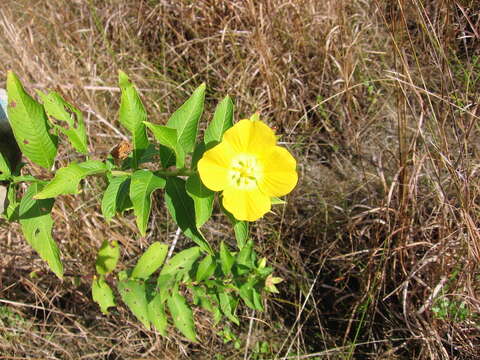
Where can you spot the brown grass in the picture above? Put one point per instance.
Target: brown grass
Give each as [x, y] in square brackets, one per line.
[378, 102]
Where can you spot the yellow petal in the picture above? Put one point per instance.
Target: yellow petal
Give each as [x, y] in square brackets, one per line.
[249, 136]
[279, 172]
[249, 205]
[213, 166]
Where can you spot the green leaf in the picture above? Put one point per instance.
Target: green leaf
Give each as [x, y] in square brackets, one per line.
[102, 294]
[206, 268]
[182, 261]
[132, 116]
[257, 300]
[202, 199]
[116, 197]
[144, 183]
[239, 227]
[167, 156]
[246, 293]
[226, 259]
[182, 209]
[156, 314]
[107, 257]
[150, 261]
[133, 293]
[36, 222]
[186, 118]
[197, 154]
[168, 137]
[244, 262]
[11, 212]
[67, 179]
[222, 121]
[182, 316]
[56, 107]
[201, 298]
[228, 305]
[277, 201]
[29, 124]
[5, 171]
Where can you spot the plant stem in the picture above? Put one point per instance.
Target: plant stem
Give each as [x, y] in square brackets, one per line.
[178, 172]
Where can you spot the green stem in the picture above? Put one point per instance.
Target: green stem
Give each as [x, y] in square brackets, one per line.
[179, 172]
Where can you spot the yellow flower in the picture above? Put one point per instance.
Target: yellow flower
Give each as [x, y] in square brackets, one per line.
[249, 168]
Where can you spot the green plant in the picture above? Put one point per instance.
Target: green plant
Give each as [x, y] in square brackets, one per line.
[453, 309]
[215, 280]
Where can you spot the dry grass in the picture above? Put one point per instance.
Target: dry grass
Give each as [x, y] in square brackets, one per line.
[378, 100]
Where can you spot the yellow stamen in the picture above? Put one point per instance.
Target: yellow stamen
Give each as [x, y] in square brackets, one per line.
[245, 170]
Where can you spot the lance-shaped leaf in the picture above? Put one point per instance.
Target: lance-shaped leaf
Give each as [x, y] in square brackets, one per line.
[202, 199]
[240, 228]
[156, 314]
[150, 261]
[107, 257]
[36, 222]
[221, 122]
[182, 209]
[181, 262]
[74, 126]
[228, 304]
[5, 171]
[66, 179]
[102, 294]
[226, 259]
[182, 315]
[168, 137]
[206, 268]
[186, 118]
[244, 261]
[116, 197]
[132, 116]
[29, 124]
[176, 268]
[143, 184]
[133, 293]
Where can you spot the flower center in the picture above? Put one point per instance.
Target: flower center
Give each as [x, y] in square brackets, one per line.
[244, 172]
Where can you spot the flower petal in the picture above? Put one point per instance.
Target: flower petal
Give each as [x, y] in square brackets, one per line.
[250, 136]
[213, 166]
[249, 205]
[279, 172]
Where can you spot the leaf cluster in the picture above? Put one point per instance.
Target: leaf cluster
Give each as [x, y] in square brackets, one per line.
[159, 287]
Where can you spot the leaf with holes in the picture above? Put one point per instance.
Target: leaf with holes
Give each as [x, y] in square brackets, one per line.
[102, 294]
[107, 257]
[29, 124]
[150, 261]
[182, 261]
[36, 222]
[133, 293]
[182, 315]
[157, 315]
